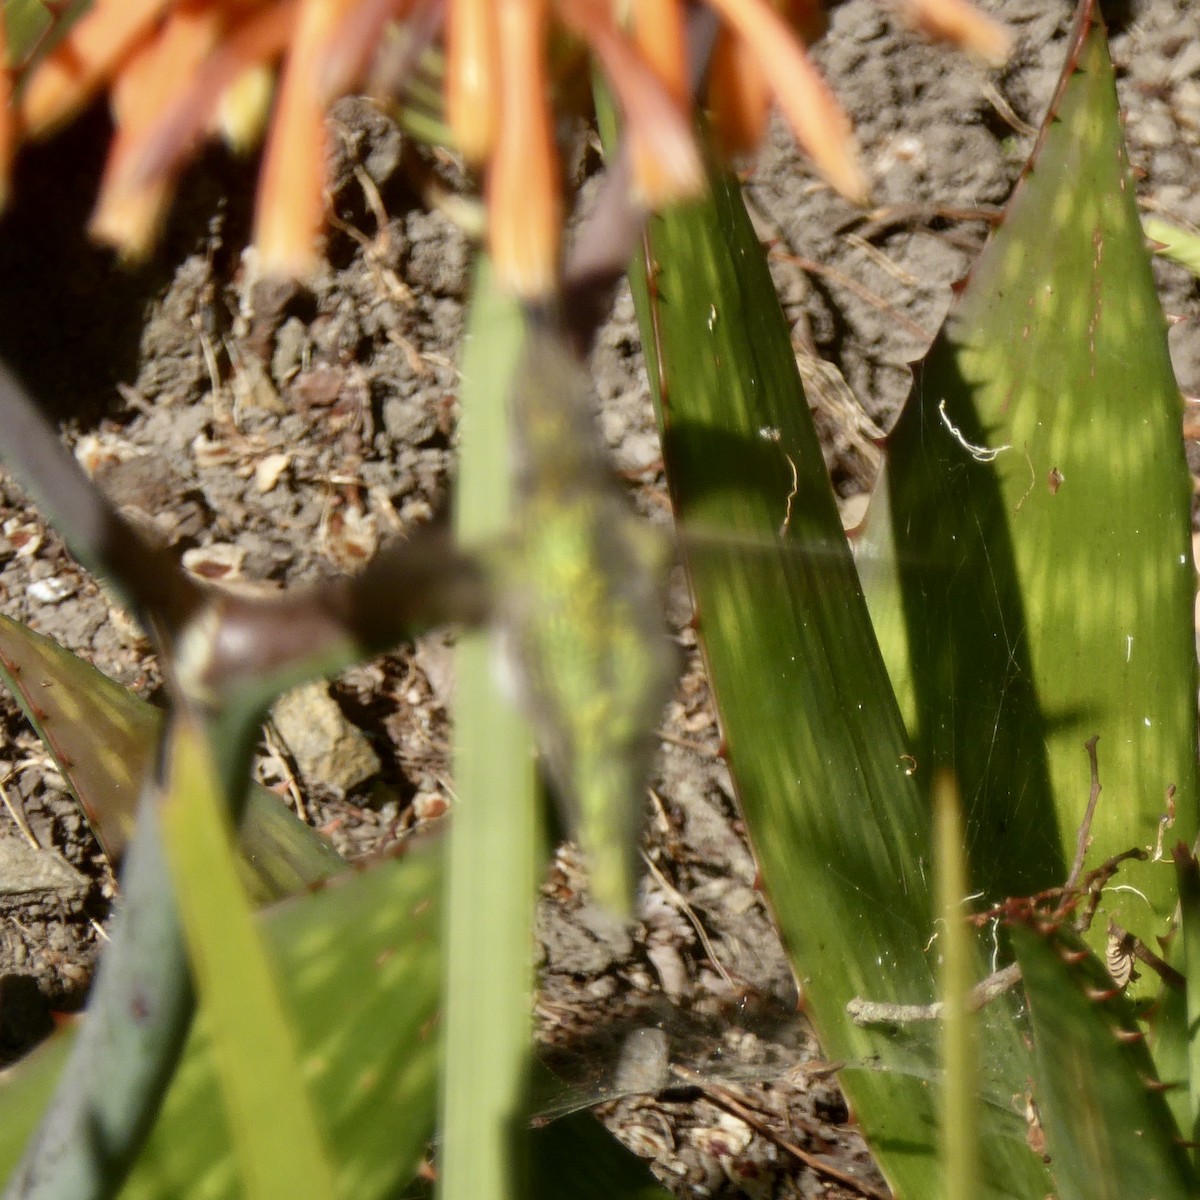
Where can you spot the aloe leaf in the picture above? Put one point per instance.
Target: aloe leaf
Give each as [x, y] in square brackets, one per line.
[358, 961]
[1179, 245]
[816, 744]
[1188, 871]
[102, 738]
[29, 22]
[100, 735]
[1040, 502]
[360, 968]
[118, 1068]
[277, 1141]
[1108, 1130]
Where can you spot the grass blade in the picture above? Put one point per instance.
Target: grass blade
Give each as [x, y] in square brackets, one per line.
[959, 1097]
[495, 851]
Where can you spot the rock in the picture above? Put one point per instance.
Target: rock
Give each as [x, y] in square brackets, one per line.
[325, 747]
[25, 869]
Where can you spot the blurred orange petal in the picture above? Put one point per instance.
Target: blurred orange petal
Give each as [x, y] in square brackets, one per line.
[352, 44]
[666, 161]
[524, 186]
[807, 18]
[738, 97]
[289, 212]
[962, 24]
[260, 37]
[660, 34]
[130, 217]
[471, 77]
[818, 121]
[84, 60]
[8, 133]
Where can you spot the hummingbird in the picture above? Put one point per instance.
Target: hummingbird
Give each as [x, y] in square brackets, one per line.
[582, 615]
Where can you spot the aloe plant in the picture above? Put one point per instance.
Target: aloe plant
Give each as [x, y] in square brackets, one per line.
[1035, 594]
[1011, 625]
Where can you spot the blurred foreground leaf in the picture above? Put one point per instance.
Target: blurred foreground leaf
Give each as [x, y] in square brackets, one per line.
[102, 738]
[278, 1145]
[359, 968]
[496, 850]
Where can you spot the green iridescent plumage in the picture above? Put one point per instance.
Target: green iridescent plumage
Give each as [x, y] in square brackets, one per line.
[583, 616]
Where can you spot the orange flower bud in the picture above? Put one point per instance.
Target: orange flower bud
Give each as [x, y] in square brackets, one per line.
[666, 161]
[661, 38]
[818, 121]
[738, 97]
[129, 216]
[290, 208]
[8, 133]
[471, 77]
[83, 62]
[960, 23]
[524, 186]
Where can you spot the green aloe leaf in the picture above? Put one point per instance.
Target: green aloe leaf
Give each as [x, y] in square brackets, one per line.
[359, 966]
[100, 735]
[102, 738]
[29, 21]
[816, 744]
[1188, 871]
[1040, 506]
[278, 1144]
[1109, 1133]
[358, 963]
[1179, 245]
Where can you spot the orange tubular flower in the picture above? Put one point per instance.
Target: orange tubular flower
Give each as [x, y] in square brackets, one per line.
[739, 100]
[129, 217]
[168, 64]
[86, 61]
[658, 29]
[524, 188]
[666, 160]
[815, 116]
[471, 77]
[290, 211]
[955, 21]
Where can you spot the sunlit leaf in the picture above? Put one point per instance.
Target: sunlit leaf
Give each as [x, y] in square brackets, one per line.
[1041, 507]
[278, 1145]
[816, 744]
